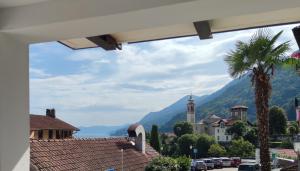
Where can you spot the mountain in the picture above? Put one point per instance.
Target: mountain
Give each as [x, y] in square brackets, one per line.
[161, 117]
[97, 131]
[285, 87]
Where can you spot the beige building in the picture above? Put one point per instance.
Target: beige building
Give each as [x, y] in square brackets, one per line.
[214, 125]
[50, 127]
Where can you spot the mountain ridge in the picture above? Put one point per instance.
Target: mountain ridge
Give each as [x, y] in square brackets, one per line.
[237, 92]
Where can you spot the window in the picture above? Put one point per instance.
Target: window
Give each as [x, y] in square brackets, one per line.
[40, 134]
[65, 134]
[50, 135]
[222, 124]
[218, 130]
[57, 134]
[226, 137]
[218, 138]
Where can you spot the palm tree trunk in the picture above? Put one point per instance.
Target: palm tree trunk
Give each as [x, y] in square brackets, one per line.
[262, 94]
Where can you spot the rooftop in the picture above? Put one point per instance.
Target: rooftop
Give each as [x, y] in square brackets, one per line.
[239, 106]
[88, 154]
[40, 122]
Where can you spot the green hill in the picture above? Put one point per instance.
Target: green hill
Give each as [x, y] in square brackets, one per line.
[285, 87]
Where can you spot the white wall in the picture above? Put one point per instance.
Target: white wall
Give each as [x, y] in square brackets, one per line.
[222, 134]
[14, 104]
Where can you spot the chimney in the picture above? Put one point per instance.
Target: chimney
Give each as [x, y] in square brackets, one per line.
[50, 113]
[138, 132]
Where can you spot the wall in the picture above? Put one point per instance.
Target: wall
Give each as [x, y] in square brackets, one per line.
[14, 104]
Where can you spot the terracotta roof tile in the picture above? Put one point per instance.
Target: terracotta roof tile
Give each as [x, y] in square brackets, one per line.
[88, 154]
[38, 122]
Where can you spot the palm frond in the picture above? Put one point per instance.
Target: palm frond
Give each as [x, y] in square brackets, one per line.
[260, 53]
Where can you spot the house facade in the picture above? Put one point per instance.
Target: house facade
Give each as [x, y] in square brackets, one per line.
[49, 127]
[214, 125]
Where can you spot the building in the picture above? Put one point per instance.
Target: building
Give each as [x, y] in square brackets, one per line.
[23, 22]
[122, 153]
[239, 112]
[50, 127]
[191, 111]
[214, 125]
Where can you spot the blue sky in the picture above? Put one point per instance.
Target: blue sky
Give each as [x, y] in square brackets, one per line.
[96, 87]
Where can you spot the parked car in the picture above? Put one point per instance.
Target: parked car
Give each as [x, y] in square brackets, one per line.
[217, 162]
[209, 163]
[226, 161]
[249, 167]
[200, 165]
[235, 161]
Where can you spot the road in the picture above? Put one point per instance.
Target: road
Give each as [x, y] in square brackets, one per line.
[226, 169]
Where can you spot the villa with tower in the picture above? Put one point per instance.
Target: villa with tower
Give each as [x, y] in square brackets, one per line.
[214, 125]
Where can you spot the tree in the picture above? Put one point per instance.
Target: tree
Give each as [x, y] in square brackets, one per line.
[277, 121]
[154, 139]
[216, 150]
[162, 164]
[181, 128]
[169, 145]
[203, 143]
[184, 163]
[293, 128]
[238, 129]
[287, 144]
[241, 148]
[258, 58]
[251, 136]
[185, 142]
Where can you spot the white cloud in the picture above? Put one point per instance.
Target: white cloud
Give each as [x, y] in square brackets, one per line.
[34, 72]
[121, 86]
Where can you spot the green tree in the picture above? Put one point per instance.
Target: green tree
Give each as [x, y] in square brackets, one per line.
[203, 143]
[238, 129]
[185, 142]
[169, 145]
[216, 150]
[277, 121]
[184, 163]
[287, 144]
[162, 164]
[154, 139]
[258, 58]
[251, 136]
[241, 148]
[293, 128]
[181, 128]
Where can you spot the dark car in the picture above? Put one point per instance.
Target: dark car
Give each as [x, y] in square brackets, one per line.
[200, 165]
[217, 162]
[249, 167]
[235, 161]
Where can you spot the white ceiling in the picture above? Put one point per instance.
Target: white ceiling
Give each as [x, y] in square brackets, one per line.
[14, 3]
[138, 20]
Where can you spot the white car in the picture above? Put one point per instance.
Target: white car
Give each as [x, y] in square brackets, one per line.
[226, 161]
[209, 163]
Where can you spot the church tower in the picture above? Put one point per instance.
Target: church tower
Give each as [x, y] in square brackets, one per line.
[191, 110]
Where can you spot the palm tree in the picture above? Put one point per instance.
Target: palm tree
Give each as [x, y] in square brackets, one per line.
[258, 58]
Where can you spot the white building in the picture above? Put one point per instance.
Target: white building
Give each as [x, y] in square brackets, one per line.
[214, 125]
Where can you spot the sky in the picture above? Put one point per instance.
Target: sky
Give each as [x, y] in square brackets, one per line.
[96, 87]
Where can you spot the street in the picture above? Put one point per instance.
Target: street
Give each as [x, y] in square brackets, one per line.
[227, 169]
